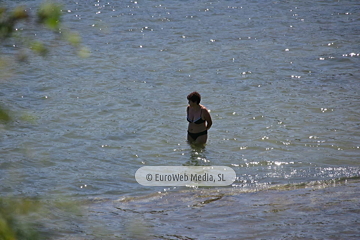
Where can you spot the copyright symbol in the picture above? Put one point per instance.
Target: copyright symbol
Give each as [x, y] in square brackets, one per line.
[148, 177]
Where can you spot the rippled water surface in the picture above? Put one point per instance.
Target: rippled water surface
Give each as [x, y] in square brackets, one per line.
[281, 79]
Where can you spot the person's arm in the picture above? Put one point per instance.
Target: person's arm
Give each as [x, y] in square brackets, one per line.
[208, 119]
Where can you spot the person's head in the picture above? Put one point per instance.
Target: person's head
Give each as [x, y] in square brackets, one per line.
[194, 97]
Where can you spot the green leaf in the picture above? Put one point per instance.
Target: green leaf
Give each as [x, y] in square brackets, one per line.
[84, 52]
[20, 13]
[4, 116]
[73, 38]
[49, 14]
[39, 48]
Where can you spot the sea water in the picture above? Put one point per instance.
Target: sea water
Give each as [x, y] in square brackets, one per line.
[281, 81]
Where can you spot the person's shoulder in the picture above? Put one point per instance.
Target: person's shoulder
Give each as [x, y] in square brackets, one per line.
[204, 108]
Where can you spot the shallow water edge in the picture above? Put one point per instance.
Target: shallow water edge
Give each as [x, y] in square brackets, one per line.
[326, 210]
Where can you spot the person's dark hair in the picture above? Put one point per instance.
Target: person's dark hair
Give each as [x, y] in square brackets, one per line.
[194, 97]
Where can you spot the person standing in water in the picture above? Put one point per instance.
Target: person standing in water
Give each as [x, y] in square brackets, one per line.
[199, 119]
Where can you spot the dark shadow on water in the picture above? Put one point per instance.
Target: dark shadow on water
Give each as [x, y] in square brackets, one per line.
[197, 156]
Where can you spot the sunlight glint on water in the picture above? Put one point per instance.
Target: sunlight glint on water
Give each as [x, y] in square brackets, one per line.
[281, 80]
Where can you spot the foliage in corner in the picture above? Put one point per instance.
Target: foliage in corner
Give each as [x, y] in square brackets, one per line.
[48, 17]
[11, 225]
